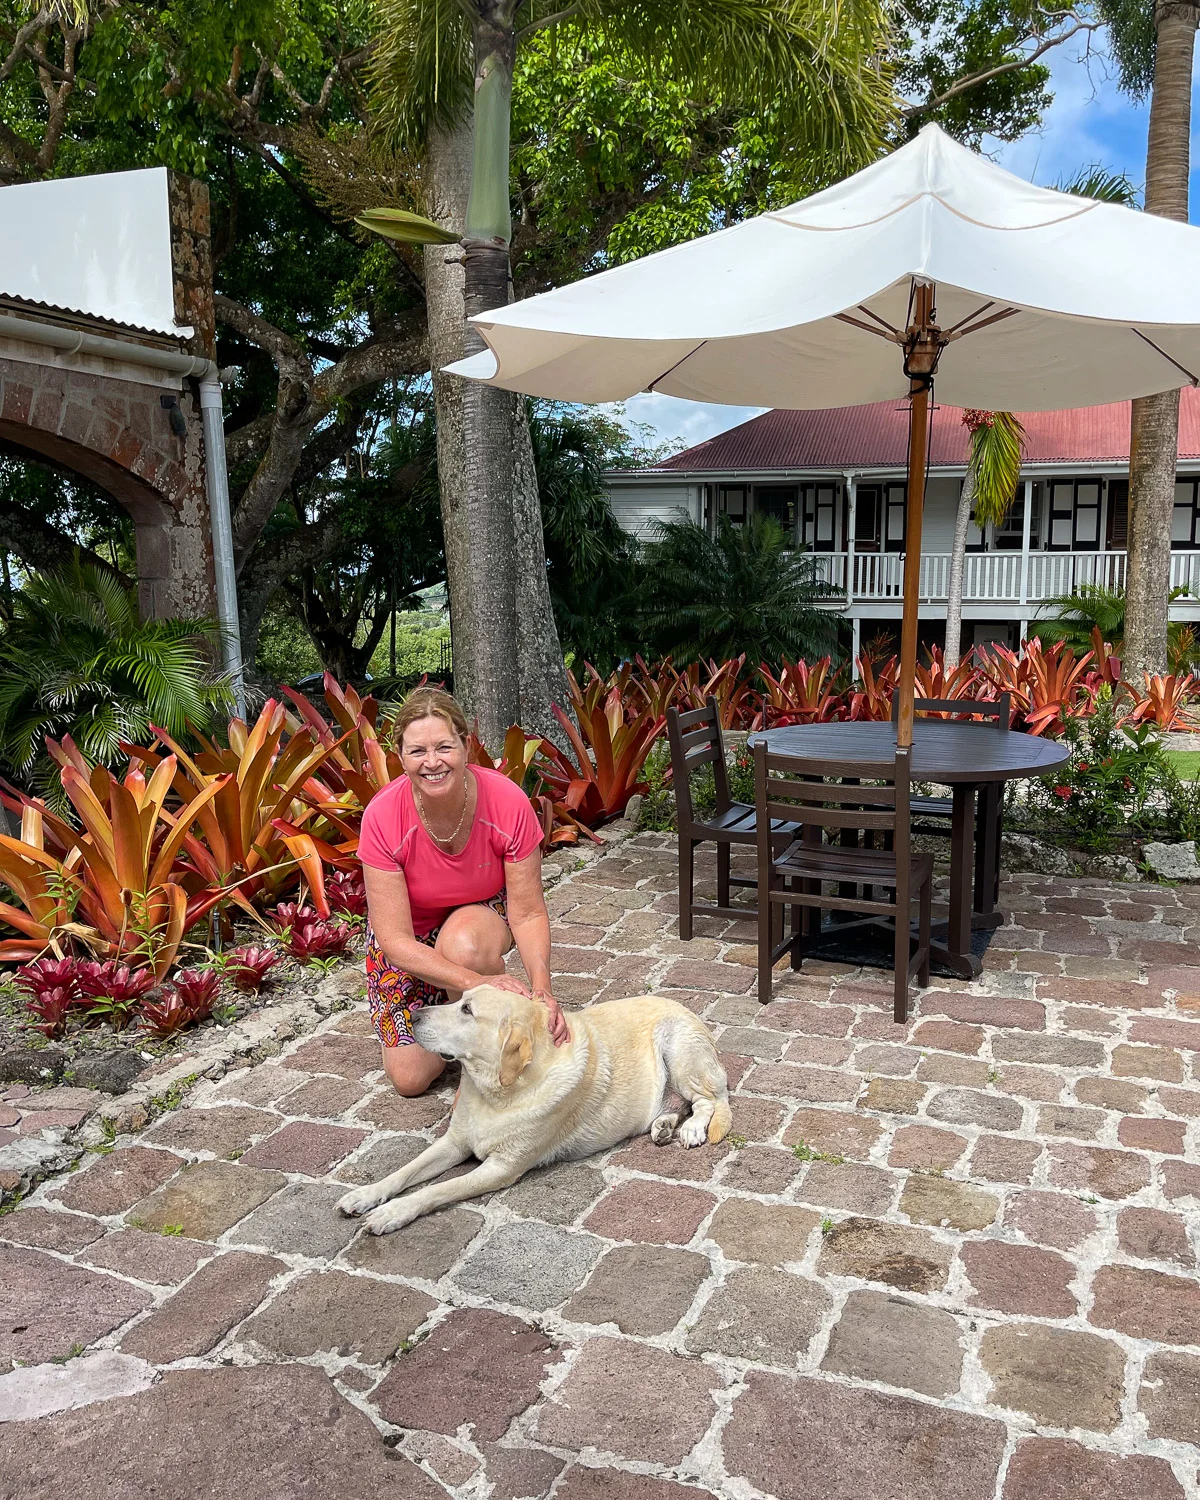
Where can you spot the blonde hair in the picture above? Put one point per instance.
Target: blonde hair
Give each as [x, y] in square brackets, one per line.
[429, 703]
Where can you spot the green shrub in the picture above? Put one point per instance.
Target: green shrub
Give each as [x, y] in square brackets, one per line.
[75, 659]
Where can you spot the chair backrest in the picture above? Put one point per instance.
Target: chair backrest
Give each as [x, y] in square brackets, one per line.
[826, 797]
[998, 711]
[696, 740]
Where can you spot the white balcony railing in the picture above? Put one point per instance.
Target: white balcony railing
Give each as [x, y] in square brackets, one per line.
[990, 577]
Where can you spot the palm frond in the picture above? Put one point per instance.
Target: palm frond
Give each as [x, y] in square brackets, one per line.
[996, 447]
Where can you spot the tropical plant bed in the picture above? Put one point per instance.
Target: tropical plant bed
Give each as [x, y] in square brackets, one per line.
[95, 1052]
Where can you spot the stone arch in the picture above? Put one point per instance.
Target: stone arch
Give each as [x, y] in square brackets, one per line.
[107, 422]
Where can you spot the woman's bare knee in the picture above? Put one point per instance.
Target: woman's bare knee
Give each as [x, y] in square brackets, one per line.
[411, 1069]
[468, 948]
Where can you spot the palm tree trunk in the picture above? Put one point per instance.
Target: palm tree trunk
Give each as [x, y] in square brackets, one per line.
[542, 672]
[958, 562]
[1154, 433]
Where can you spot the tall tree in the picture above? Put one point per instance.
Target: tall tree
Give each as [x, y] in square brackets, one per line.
[817, 62]
[1155, 50]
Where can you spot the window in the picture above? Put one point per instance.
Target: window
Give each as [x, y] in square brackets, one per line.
[1086, 533]
[895, 498]
[1009, 535]
[868, 518]
[817, 516]
[1185, 518]
[1116, 528]
[779, 502]
[1074, 515]
[1062, 509]
[731, 502]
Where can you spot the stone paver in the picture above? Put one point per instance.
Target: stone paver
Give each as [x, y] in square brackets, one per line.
[207, 1435]
[642, 1289]
[798, 1438]
[534, 1264]
[762, 1315]
[333, 1311]
[1059, 1377]
[632, 1400]
[955, 1259]
[205, 1199]
[896, 1342]
[49, 1308]
[204, 1309]
[477, 1367]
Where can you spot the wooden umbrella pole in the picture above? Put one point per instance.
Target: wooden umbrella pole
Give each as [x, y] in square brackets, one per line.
[922, 348]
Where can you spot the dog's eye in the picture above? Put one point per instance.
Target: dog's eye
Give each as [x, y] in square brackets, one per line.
[466, 1009]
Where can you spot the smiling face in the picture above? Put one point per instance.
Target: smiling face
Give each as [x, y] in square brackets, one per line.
[435, 758]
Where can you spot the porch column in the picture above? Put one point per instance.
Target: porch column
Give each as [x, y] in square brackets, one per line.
[851, 510]
[1026, 522]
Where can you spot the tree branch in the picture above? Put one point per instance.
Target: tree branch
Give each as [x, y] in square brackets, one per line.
[973, 80]
[42, 546]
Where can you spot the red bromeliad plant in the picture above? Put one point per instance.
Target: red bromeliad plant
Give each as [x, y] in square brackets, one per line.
[110, 991]
[1165, 703]
[52, 986]
[116, 885]
[559, 824]
[346, 893]
[251, 843]
[739, 704]
[189, 1001]
[872, 698]
[963, 681]
[249, 966]
[597, 786]
[799, 695]
[318, 941]
[1046, 684]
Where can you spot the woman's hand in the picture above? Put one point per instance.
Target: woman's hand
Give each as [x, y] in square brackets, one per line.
[560, 1032]
[507, 982]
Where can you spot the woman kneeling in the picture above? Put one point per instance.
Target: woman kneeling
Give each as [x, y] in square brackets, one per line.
[452, 860]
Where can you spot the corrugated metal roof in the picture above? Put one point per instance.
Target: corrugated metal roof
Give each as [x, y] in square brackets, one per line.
[99, 246]
[867, 437]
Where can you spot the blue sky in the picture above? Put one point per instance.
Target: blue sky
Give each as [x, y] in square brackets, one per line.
[1090, 122]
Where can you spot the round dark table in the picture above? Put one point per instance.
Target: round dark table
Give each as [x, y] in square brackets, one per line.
[975, 760]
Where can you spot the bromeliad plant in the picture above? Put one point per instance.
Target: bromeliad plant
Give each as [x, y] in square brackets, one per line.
[115, 885]
[596, 787]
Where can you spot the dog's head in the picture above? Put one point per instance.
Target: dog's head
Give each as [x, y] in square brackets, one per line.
[492, 1032]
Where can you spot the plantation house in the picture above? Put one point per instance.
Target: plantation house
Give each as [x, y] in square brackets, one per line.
[835, 481]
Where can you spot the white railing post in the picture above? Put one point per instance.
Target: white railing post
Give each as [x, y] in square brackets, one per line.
[1026, 525]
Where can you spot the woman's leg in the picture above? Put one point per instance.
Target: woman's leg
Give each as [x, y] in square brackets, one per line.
[476, 937]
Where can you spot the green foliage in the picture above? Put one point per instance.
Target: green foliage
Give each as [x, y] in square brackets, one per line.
[285, 649]
[1131, 39]
[996, 445]
[1118, 783]
[1073, 617]
[76, 660]
[1098, 182]
[743, 590]
[940, 41]
[420, 641]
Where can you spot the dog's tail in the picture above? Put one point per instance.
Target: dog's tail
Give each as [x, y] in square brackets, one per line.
[722, 1119]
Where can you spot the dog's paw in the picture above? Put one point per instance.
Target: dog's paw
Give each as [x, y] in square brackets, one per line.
[693, 1131]
[357, 1202]
[389, 1217]
[663, 1129]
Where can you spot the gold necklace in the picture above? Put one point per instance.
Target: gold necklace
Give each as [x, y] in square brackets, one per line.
[437, 838]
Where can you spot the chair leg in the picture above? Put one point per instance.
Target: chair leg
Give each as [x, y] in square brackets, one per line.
[766, 925]
[687, 851]
[723, 852]
[923, 932]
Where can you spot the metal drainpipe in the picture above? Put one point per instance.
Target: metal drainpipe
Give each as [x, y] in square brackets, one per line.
[216, 478]
[216, 484]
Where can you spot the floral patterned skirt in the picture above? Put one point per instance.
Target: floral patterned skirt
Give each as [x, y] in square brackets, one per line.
[393, 994]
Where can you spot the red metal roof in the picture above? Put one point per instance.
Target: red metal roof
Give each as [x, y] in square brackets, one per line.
[876, 436]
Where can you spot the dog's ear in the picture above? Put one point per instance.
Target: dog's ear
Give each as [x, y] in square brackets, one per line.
[515, 1053]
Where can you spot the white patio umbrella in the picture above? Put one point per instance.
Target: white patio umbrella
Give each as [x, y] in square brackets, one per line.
[931, 261]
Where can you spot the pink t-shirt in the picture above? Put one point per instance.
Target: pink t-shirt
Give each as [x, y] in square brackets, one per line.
[393, 837]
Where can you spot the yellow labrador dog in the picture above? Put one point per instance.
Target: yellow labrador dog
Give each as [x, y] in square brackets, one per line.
[525, 1102]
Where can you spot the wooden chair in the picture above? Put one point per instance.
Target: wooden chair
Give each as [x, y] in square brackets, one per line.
[989, 816]
[696, 740]
[825, 801]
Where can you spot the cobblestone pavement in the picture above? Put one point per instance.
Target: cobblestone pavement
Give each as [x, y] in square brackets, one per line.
[949, 1261]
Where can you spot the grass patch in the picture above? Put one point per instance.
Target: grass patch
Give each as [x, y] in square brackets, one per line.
[1185, 763]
